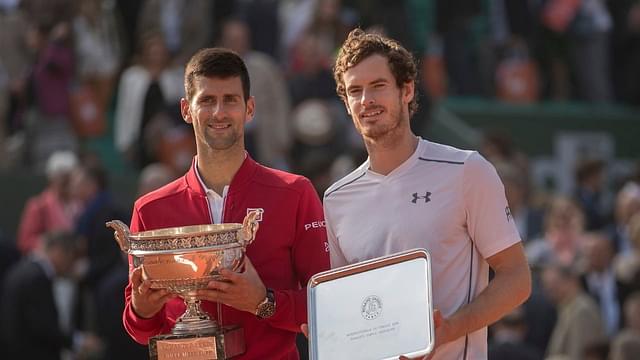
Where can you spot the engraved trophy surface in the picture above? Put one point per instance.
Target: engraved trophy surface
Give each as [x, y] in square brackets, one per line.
[183, 260]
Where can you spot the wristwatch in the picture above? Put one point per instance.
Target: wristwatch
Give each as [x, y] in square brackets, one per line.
[267, 307]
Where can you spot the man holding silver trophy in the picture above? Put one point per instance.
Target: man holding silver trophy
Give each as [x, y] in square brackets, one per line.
[267, 298]
[413, 193]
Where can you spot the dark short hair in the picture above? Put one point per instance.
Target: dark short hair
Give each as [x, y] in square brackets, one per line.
[219, 63]
[587, 168]
[64, 240]
[360, 45]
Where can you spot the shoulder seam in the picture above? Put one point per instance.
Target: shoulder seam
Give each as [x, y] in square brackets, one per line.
[442, 161]
[345, 184]
[151, 199]
[293, 186]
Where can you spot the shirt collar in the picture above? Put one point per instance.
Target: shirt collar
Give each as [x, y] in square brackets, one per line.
[204, 186]
[244, 174]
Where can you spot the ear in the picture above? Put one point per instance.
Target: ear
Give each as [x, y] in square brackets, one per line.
[251, 107]
[346, 105]
[184, 110]
[408, 91]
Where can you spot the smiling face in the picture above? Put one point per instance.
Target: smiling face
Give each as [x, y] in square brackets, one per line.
[378, 107]
[217, 110]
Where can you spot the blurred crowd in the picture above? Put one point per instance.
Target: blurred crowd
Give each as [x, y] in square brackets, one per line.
[77, 71]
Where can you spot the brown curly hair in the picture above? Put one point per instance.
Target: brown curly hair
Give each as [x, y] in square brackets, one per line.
[360, 45]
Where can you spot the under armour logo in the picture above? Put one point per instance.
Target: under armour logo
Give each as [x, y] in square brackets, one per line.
[507, 211]
[426, 197]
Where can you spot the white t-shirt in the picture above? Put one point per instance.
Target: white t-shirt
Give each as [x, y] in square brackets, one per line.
[445, 200]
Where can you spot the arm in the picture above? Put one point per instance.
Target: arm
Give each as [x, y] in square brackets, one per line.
[509, 288]
[310, 256]
[31, 227]
[143, 315]
[493, 232]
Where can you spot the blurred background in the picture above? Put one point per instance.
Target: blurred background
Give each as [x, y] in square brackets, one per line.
[547, 90]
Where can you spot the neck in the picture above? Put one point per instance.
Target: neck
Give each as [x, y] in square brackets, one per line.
[390, 152]
[571, 292]
[217, 168]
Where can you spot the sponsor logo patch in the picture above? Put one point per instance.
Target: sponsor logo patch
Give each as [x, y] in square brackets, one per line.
[315, 225]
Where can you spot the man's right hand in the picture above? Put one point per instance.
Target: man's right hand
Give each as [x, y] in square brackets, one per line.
[146, 302]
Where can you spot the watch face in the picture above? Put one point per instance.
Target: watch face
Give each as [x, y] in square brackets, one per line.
[266, 310]
[268, 307]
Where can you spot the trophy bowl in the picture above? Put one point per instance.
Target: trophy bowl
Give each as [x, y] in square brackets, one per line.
[185, 259]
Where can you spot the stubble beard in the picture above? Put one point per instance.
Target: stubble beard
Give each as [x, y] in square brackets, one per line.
[385, 135]
[221, 142]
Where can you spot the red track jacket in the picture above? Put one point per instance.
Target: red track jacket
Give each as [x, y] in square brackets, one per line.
[289, 248]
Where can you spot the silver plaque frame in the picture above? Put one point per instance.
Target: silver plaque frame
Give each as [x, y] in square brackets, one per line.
[375, 309]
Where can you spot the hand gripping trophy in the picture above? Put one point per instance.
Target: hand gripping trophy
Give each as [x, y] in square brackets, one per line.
[183, 260]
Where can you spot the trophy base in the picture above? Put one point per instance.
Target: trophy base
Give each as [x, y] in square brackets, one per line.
[224, 344]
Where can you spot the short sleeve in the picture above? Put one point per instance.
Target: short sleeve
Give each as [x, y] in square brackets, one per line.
[489, 220]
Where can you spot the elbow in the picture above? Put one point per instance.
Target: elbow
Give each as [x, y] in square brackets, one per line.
[525, 288]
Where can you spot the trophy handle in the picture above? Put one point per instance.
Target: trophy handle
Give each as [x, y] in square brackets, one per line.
[121, 233]
[250, 226]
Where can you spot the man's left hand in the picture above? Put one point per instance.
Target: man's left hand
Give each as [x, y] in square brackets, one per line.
[242, 291]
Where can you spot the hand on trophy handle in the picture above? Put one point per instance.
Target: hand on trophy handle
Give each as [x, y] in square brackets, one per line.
[250, 226]
[242, 291]
[146, 301]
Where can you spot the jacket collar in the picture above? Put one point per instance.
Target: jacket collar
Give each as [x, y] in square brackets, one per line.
[242, 177]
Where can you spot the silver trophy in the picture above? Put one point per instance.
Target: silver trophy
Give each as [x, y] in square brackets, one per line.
[183, 260]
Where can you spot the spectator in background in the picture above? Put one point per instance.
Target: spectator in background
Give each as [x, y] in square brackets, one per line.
[627, 265]
[313, 78]
[626, 344]
[30, 325]
[148, 101]
[599, 280]
[579, 321]
[89, 184]
[54, 208]
[626, 53]
[507, 341]
[184, 25]
[583, 28]
[590, 183]
[328, 25]
[16, 59]
[627, 204]
[268, 136]
[154, 176]
[454, 20]
[47, 122]
[98, 48]
[497, 146]
[563, 231]
[597, 350]
[527, 218]
[320, 132]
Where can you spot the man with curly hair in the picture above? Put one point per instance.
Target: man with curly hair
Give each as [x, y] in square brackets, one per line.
[413, 193]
